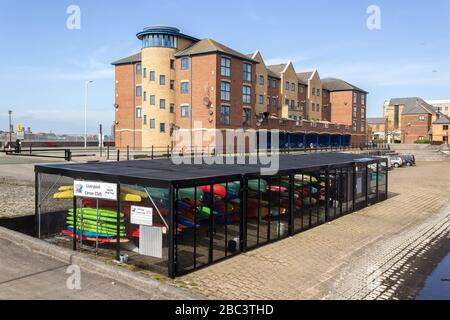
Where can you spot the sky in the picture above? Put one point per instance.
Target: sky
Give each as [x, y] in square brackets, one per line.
[44, 65]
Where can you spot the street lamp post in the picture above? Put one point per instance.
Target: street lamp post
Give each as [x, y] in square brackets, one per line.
[85, 111]
[10, 128]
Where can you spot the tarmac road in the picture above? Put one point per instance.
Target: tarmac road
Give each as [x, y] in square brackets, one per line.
[29, 275]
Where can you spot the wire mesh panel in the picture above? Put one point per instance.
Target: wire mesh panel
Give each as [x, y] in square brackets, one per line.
[54, 199]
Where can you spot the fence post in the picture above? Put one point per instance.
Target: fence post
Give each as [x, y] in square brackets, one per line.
[128, 153]
[153, 155]
[168, 152]
[118, 155]
[107, 152]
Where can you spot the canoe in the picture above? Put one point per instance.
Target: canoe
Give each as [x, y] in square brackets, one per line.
[133, 191]
[92, 237]
[101, 212]
[95, 218]
[254, 185]
[63, 195]
[126, 197]
[218, 190]
[65, 188]
[278, 189]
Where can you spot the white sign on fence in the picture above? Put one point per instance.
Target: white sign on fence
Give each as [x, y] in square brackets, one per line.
[96, 190]
[142, 216]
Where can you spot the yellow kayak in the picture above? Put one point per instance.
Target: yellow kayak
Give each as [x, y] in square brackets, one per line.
[65, 188]
[132, 191]
[125, 197]
[64, 195]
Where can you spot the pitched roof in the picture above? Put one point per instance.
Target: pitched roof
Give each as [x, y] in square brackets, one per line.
[334, 84]
[413, 105]
[277, 68]
[442, 120]
[272, 74]
[303, 77]
[376, 120]
[130, 59]
[212, 46]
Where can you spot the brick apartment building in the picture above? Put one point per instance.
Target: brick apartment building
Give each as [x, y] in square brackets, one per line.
[412, 120]
[177, 82]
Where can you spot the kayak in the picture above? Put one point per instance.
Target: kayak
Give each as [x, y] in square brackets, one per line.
[218, 190]
[89, 236]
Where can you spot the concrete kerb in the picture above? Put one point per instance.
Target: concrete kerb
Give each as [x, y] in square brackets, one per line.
[135, 280]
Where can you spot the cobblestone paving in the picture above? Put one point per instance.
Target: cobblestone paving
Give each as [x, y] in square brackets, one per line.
[365, 255]
[16, 199]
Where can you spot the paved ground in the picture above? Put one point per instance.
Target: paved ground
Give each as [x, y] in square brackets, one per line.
[366, 255]
[34, 276]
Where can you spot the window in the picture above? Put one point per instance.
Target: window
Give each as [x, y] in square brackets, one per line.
[138, 113]
[313, 107]
[396, 116]
[145, 72]
[145, 96]
[172, 64]
[421, 118]
[225, 67]
[159, 40]
[286, 102]
[261, 99]
[225, 115]
[185, 87]
[421, 138]
[172, 108]
[445, 127]
[145, 119]
[152, 123]
[314, 91]
[274, 101]
[138, 91]
[184, 111]
[247, 76]
[152, 75]
[152, 100]
[162, 80]
[162, 127]
[261, 80]
[286, 85]
[318, 93]
[292, 104]
[247, 115]
[184, 64]
[162, 103]
[363, 99]
[355, 97]
[247, 94]
[172, 85]
[225, 89]
[293, 87]
[274, 83]
[138, 69]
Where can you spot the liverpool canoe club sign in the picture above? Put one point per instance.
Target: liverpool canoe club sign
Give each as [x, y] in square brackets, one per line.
[96, 190]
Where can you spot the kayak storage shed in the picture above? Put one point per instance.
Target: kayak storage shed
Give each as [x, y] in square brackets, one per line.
[174, 219]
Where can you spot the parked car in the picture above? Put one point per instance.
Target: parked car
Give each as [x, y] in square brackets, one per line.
[396, 161]
[408, 160]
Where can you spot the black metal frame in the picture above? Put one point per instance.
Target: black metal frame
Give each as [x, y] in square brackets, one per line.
[340, 173]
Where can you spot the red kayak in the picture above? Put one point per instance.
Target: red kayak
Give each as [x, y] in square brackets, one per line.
[218, 190]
